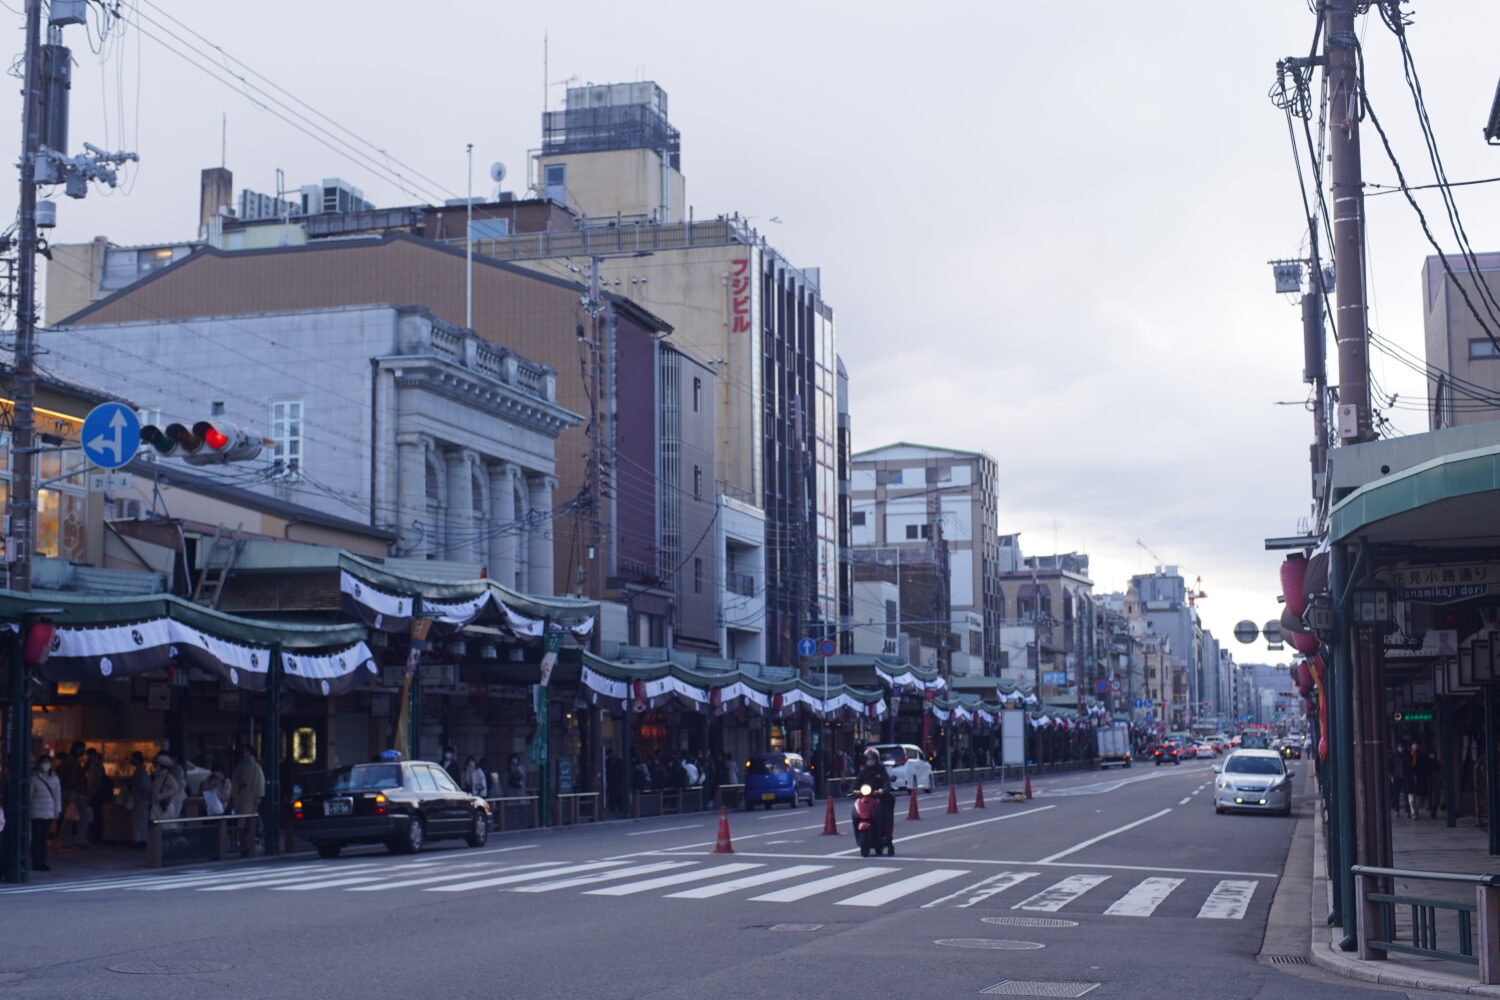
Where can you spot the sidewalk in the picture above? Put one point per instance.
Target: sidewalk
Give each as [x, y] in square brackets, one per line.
[1424, 844]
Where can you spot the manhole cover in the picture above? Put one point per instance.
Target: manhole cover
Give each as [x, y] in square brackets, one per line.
[994, 944]
[795, 927]
[1037, 988]
[168, 968]
[1288, 960]
[12, 977]
[1029, 921]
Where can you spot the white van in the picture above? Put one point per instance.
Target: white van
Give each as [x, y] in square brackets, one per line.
[906, 766]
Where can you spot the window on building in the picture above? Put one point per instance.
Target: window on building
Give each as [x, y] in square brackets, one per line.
[697, 482]
[891, 623]
[1483, 347]
[857, 519]
[490, 229]
[286, 431]
[919, 531]
[697, 575]
[697, 393]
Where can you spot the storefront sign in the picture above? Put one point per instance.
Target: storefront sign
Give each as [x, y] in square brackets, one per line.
[1411, 716]
[1442, 584]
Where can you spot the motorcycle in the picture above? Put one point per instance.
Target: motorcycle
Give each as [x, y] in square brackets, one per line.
[871, 823]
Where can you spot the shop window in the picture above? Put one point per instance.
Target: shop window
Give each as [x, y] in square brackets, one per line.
[305, 745]
[286, 431]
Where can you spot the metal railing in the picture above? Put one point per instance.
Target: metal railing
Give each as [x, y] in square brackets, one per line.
[1377, 919]
[515, 812]
[196, 838]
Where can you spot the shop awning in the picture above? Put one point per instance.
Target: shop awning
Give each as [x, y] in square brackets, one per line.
[1449, 501]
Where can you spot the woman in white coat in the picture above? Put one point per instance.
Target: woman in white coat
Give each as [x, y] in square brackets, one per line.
[46, 807]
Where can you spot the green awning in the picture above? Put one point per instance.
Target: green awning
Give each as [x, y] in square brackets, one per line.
[1451, 501]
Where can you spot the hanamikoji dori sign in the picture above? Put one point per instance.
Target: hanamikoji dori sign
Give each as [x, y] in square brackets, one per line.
[1443, 583]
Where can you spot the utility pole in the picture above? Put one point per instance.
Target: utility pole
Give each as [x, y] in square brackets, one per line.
[1315, 361]
[1354, 423]
[21, 501]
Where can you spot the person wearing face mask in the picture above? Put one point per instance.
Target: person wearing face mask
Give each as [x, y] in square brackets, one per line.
[46, 806]
[451, 764]
[165, 788]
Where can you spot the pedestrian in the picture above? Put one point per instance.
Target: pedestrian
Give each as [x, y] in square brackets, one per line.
[710, 780]
[689, 772]
[1413, 777]
[165, 788]
[515, 775]
[139, 792]
[730, 768]
[46, 806]
[100, 791]
[451, 765]
[217, 790]
[249, 789]
[473, 774]
[74, 781]
[1397, 780]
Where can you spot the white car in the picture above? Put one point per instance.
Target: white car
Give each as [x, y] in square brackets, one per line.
[906, 766]
[1253, 780]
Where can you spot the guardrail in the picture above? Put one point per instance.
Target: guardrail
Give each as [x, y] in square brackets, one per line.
[572, 808]
[194, 838]
[515, 812]
[1378, 933]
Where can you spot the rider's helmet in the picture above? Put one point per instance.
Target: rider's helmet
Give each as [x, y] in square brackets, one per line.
[872, 756]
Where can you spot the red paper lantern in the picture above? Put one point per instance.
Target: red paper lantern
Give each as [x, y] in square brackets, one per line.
[39, 642]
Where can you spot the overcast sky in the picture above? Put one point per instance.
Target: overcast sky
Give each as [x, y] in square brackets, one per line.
[1044, 227]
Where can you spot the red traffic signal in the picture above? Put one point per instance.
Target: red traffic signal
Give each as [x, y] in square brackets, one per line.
[206, 442]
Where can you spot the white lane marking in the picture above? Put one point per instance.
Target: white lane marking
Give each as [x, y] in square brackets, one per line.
[169, 881]
[981, 890]
[904, 838]
[1229, 900]
[487, 882]
[733, 836]
[905, 887]
[665, 829]
[1104, 836]
[263, 882]
[451, 875]
[224, 878]
[1185, 801]
[332, 883]
[1009, 862]
[661, 882]
[113, 880]
[1143, 900]
[746, 882]
[1055, 897]
[605, 876]
[796, 892]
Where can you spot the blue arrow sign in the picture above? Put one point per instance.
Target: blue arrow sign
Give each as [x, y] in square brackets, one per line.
[808, 647]
[111, 435]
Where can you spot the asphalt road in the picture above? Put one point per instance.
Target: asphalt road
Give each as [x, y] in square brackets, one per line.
[1126, 881]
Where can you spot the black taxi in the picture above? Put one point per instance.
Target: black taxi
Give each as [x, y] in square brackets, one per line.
[401, 804]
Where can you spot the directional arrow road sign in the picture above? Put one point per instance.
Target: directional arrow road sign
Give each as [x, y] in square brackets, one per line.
[808, 647]
[111, 435]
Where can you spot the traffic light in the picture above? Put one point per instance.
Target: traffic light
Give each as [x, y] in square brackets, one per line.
[208, 442]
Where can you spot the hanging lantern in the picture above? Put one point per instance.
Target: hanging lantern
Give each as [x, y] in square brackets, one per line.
[39, 641]
[638, 692]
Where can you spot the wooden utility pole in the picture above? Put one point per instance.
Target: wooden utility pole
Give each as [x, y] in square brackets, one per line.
[1340, 45]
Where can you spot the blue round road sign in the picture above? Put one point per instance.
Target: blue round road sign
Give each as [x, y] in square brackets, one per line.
[808, 647]
[827, 647]
[111, 435]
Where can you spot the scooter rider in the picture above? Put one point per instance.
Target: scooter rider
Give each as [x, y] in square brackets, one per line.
[874, 774]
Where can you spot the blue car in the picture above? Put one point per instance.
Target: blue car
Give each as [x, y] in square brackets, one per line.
[777, 777]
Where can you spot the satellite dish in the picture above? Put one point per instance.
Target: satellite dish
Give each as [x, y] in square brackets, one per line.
[497, 171]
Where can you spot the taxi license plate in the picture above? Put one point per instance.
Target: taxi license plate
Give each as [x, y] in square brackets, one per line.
[337, 807]
[768, 797]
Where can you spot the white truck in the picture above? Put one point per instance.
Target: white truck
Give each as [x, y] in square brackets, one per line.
[1112, 745]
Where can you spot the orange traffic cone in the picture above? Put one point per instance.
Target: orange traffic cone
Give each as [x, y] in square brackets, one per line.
[723, 846]
[911, 811]
[953, 798]
[979, 796]
[1028, 784]
[830, 826]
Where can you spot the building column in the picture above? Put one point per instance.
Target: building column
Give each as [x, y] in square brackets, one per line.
[411, 493]
[503, 540]
[539, 498]
[458, 464]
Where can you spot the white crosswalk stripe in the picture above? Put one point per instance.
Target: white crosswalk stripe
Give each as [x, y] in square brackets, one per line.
[905, 887]
[1229, 900]
[1055, 897]
[747, 882]
[981, 890]
[762, 879]
[605, 876]
[661, 882]
[796, 892]
[1143, 900]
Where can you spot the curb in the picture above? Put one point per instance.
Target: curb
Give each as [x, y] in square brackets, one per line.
[1326, 955]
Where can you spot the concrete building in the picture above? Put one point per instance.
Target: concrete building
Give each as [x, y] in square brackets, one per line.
[1170, 615]
[1463, 360]
[386, 412]
[611, 470]
[1054, 595]
[908, 496]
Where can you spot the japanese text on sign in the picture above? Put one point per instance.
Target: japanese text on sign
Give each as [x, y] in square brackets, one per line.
[739, 296]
